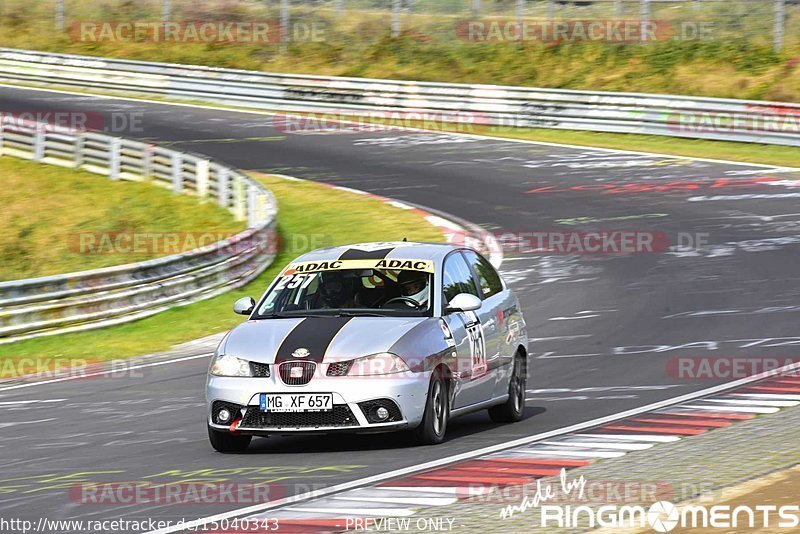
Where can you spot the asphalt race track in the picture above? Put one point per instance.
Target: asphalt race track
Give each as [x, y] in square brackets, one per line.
[606, 329]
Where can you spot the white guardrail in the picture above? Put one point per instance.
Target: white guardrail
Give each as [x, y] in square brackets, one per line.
[91, 299]
[680, 116]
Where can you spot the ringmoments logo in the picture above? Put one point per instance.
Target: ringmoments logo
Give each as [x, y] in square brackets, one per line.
[664, 516]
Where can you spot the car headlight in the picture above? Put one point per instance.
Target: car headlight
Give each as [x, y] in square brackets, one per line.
[384, 363]
[227, 365]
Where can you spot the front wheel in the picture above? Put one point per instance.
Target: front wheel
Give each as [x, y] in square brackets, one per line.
[224, 441]
[437, 411]
[513, 409]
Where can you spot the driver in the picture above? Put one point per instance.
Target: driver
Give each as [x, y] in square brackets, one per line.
[414, 285]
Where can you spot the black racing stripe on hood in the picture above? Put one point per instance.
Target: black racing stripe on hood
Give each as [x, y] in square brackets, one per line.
[355, 254]
[314, 334]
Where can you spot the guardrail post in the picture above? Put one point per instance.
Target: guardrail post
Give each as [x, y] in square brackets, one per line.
[114, 158]
[251, 205]
[780, 22]
[339, 7]
[60, 15]
[395, 18]
[239, 200]
[2, 129]
[550, 10]
[38, 144]
[147, 161]
[77, 157]
[201, 176]
[645, 16]
[476, 8]
[223, 185]
[284, 25]
[520, 13]
[618, 9]
[176, 165]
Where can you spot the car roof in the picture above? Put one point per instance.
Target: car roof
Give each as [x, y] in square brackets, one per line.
[377, 250]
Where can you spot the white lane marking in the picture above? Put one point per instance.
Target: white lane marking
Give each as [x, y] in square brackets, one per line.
[775, 396]
[732, 409]
[401, 205]
[602, 445]
[628, 437]
[413, 501]
[439, 221]
[106, 372]
[341, 188]
[772, 168]
[492, 449]
[571, 318]
[535, 339]
[447, 490]
[381, 491]
[5, 425]
[353, 512]
[12, 403]
[571, 454]
[756, 403]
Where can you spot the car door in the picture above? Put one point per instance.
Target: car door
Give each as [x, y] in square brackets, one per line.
[494, 316]
[473, 384]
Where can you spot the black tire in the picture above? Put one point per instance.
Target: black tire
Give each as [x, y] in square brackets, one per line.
[433, 427]
[513, 409]
[225, 441]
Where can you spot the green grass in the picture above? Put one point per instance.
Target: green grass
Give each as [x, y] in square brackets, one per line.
[311, 215]
[731, 64]
[48, 209]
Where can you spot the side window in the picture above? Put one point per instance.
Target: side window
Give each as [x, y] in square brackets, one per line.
[487, 275]
[457, 278]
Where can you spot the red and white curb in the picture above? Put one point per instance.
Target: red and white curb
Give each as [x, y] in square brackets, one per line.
[422, 491]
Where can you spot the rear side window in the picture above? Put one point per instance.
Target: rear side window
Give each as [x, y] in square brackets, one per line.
[487, 275]
[457, 278]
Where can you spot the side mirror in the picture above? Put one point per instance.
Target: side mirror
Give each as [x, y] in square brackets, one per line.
[244, 306]
[464, 302]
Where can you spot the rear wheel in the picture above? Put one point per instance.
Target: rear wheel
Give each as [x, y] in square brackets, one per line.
[224, 441]
[513, 409]
[437, 411]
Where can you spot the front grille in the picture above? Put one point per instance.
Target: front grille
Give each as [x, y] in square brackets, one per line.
[341, 415]
[368, 408]
[285, 370]
[234, 409]
[339, 368]
[259, 370]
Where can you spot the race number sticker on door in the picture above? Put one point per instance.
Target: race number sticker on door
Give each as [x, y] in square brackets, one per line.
[477, 344]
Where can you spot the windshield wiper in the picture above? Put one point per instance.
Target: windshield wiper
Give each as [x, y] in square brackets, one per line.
[360, 314]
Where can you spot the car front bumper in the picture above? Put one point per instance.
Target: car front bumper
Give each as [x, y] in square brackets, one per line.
[351, 399]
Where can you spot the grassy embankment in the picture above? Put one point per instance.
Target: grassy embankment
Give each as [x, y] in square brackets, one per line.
[348, 218]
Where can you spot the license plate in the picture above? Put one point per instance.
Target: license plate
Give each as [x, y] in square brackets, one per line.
[296, 402]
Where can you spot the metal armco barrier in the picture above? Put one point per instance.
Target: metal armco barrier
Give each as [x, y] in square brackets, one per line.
[90, 299]
[499, 106]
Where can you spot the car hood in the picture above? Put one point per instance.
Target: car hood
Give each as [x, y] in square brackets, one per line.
[326, 339]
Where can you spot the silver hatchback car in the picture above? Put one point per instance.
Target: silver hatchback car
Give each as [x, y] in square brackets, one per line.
[372, 337]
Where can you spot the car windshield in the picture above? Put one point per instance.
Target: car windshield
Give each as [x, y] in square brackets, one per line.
[351, 287]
